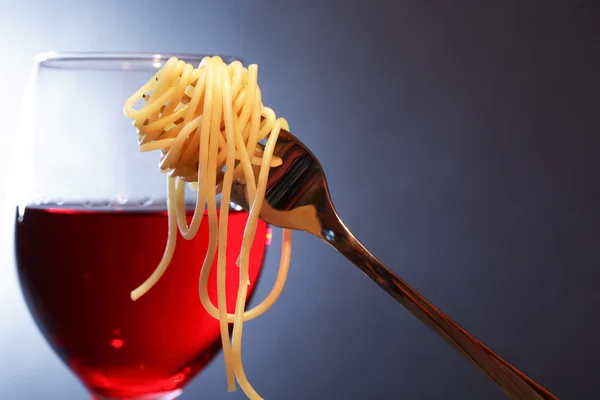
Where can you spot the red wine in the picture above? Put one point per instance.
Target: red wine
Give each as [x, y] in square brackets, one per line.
[77, 266]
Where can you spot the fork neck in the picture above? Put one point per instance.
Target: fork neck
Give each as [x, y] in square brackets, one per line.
[336, 234]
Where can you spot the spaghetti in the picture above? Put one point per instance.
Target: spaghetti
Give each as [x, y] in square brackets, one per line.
[208, 122]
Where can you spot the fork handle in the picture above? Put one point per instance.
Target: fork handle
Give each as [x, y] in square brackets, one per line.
[514, 383]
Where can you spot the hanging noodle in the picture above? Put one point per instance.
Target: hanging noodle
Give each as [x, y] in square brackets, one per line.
[208, 122]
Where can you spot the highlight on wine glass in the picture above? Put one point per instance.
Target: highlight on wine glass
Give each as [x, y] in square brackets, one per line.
[131, 260]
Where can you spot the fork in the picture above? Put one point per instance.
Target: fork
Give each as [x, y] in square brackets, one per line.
[297, 197]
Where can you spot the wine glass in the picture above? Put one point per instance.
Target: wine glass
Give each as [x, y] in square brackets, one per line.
[91, 225]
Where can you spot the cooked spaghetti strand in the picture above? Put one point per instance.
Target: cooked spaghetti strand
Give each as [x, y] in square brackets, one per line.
[207, 122]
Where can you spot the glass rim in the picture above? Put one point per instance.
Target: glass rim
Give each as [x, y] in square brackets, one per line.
[118, 60]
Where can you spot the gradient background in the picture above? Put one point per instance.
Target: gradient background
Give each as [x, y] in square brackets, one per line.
[484, 122]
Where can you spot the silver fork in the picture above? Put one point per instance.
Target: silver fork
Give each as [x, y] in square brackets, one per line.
[297, 197]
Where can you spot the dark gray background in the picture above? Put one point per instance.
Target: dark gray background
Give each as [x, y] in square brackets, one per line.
[460, 141]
